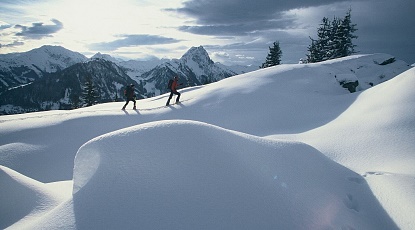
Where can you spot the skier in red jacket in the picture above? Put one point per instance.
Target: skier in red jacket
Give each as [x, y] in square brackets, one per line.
[173, 90]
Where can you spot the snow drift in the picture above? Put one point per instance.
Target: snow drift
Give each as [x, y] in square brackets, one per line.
[23, 196]
[146, 177]
[375, 138]
[388, 111]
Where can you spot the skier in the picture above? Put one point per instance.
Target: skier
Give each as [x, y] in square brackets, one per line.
[129, 93]
[173, 90]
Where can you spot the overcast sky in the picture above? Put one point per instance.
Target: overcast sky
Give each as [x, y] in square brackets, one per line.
[232, 31]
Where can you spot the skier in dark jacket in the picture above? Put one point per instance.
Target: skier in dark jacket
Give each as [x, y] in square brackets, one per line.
[129, 93]
[173, 90]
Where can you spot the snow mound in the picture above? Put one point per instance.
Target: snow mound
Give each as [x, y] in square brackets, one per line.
[369, 69]
[387, 110]
[159, 175]
[386, 156]
[23, 198]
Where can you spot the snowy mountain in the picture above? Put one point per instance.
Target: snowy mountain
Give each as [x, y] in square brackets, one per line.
[106, 57]
[135, 68]
[305, 154]
[151, 77]
[18, 69]
[64, 89]
[194, 68]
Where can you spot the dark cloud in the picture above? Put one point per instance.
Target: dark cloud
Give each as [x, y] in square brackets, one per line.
[238, 29]
[215, 17]
[386, 27]
[133, 40]
[236, 11]
[39, 30]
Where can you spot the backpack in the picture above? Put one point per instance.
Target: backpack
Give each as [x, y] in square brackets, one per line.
[169, 84]
[128, 91]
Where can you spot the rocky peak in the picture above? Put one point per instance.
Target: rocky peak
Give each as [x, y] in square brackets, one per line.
[198, 55]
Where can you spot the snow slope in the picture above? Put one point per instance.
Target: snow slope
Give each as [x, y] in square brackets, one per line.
[375, 138]
[283, 148]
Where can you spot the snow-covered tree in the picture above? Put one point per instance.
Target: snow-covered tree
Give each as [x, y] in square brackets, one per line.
[319, 49]
[274, 56]
[334, 39]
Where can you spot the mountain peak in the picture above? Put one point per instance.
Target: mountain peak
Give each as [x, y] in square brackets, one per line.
[107, 57]
[197, 54]
[194, 49]
[54, 53]
[51, 49]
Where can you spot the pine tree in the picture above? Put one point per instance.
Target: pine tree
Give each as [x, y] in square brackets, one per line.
[348, 30]
[274, 56]
[320, 48]
[334, 40]
[75, 101]
[313, 52]
[89, 94]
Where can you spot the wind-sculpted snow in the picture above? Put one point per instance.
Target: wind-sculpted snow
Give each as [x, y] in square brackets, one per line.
[388, 110]
[22, 197]
[191, 175]
[386, 157]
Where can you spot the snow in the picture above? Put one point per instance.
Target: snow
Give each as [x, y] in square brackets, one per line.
[346, 77]
[48, 58]
[28, 198]
[135, 68]
[280, 148]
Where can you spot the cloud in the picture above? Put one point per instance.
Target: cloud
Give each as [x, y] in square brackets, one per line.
[133, 40]
[386, 27]
[383, 26]
[221, 54]
[2, 27]
[238, 29]
[240, 17]
[39, 30]
[15, 43]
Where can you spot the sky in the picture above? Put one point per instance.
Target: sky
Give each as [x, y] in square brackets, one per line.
[232, 31]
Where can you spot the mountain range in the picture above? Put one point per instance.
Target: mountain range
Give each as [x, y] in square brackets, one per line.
[52, 77]
[18, 69]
